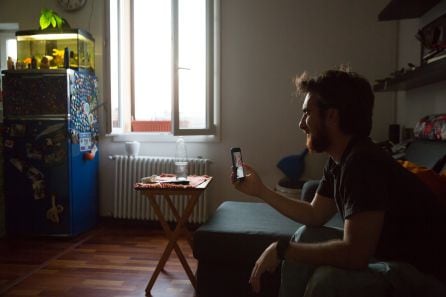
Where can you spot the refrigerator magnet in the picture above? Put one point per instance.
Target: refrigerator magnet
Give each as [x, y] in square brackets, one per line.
[85, 141]
[74, 136]
[9, 143]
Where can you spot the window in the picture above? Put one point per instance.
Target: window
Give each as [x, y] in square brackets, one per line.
[8, 48]
[8, 43]
[162, 66]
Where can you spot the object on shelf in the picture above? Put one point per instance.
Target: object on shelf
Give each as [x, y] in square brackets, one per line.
[382, 80]
[439, 56]
[423, 75]
[436, 58]
[432, 69]
[10, 63]
[394, 133]
[396, 75]
[49, 45]
[49, 17]
[433, 40]
[400, 72]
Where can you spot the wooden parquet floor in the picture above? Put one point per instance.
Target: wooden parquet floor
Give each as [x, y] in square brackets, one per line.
[110, 261]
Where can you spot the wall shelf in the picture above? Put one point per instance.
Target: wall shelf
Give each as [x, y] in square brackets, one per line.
[426, 73]
[406, 9]
[421, 76]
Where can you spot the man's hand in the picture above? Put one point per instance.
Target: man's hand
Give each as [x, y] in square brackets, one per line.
[251, 185]
[268, 261]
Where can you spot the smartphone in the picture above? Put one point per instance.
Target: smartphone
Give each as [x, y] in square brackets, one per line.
[237, 163]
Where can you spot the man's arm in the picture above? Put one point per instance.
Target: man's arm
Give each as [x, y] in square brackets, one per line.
[361, 235]
[316, 213]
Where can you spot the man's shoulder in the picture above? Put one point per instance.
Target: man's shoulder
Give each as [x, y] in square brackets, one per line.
[369, 159]
[366, 152]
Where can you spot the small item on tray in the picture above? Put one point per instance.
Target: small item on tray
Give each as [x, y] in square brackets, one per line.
[177, 182]
[163, 180]
[149, 179]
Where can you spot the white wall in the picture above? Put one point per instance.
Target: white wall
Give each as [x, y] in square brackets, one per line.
[264, 43]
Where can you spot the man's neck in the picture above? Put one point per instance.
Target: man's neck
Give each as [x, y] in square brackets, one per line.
[338, 145]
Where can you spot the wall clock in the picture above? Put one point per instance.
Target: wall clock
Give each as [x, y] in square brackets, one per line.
[71, 5]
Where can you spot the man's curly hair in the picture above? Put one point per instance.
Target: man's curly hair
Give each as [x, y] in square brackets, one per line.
[346, 91]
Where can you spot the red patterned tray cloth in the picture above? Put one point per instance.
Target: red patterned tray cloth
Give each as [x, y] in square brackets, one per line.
[162, 182]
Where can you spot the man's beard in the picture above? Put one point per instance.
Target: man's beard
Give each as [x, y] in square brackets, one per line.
[318, 141]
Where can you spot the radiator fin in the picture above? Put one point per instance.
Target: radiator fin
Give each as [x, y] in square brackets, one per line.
[131, 204]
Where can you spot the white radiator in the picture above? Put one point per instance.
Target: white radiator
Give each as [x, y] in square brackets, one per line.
[131, 204]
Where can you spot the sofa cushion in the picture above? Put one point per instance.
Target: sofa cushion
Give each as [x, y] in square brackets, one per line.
[425, 152]
[240, 231]
[434, 181]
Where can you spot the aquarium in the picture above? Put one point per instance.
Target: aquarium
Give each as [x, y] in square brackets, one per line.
[54, 49]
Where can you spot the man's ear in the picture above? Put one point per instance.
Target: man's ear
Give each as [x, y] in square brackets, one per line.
[332, 116]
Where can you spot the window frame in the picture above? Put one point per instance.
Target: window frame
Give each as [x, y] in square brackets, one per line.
[7, 32]
[125, 69]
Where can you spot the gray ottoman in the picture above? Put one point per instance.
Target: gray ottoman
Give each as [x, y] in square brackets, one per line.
[228, 245]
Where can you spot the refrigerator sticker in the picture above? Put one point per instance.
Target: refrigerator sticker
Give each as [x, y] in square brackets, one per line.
[49, 143]
[32, 173]
[18, 130]
[33, 153]
[51, 130]
[85, 141]
[17, 164]
[53, 212]
[74, 136]
[38, 182]
[39, 189]
[9, 143]
[86, 108]
[84, 103]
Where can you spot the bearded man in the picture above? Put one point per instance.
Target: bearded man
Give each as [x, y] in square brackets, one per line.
[389, 233]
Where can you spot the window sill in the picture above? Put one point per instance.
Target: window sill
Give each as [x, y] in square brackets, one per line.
[160, 137]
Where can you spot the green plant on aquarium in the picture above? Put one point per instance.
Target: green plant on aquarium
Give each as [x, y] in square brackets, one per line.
[50, 17]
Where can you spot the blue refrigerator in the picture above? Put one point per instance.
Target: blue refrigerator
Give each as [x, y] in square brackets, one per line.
[50, 142]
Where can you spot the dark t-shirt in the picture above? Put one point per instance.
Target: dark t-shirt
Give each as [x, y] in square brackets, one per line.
[369, 179]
